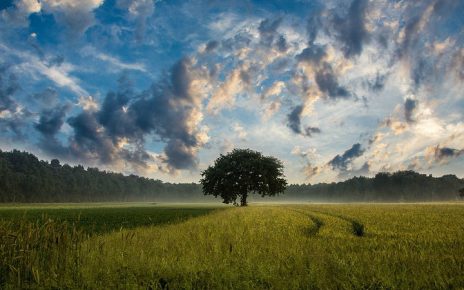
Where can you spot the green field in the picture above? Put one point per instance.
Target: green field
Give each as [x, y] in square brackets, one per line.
[312, 246]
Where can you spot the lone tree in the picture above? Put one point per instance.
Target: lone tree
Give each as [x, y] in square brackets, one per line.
[461, 192]
[241, 172]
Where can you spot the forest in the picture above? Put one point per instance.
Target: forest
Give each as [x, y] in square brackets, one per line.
[25, 178]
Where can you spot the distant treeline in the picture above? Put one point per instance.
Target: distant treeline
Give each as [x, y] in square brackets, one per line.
[25, 178]
[384, 187]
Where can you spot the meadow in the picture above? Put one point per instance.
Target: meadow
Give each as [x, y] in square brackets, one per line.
[280, 246]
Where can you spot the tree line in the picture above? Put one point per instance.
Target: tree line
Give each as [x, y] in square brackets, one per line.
[383, 187]
[25, 178]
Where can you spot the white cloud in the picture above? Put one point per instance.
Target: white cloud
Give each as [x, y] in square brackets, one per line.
[18, 14]
[113, 61]
[60, 75]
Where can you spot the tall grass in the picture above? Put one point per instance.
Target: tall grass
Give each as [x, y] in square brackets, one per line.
[44, 252]
[259, 247]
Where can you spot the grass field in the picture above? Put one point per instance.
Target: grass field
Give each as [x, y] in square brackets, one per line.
[352, 246]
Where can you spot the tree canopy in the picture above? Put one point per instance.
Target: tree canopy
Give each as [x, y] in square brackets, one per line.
[241, 172]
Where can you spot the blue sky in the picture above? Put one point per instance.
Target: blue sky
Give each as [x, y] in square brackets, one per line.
[333, 88]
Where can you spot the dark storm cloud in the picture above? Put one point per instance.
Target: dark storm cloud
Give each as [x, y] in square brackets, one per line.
[270, 37]
[328, 83]
[416, 12]
[14, 118]
[268, 30]
[313, 54]
[89, 141]
[294, 119]
[50, 121]
[158, 113]
[351, 31]
[113, 114]
[444, 153]
[314, 23]
[211, 45]
[325, 78]
[294, 123]
[341, 162]
[164, 111]
[415, 16]
[309, 131]
[409, 108]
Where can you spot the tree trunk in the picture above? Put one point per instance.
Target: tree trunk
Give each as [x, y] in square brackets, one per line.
[243, 201]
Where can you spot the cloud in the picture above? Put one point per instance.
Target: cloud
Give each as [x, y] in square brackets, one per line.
[294, 119]
[236, 82]
[13, 116]
[328, 83]
[51, 120]
[240, 131]
[89, 142]
[269, 36]
[169, 110]
[211, 46]
[442, 154]
[47, 98]
[75, 16]
[270, 109]
[274, 90]
[138, 11]
[318, 66]
[61, 75]
[410, 106]
[32, 65]
[312, 54]
[341, 162]
[8, 87]
[378, 83]
[294, 123]
[351, 31]
[113, 61]
[309, 131]
[87, 103]
[18, 14]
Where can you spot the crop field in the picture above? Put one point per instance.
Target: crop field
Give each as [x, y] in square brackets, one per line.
[311, 246]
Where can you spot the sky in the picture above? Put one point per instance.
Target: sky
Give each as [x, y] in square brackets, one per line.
[333, 88]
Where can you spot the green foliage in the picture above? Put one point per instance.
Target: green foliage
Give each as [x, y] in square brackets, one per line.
[461, 192]
[241, 172]
[384, 187]
[104, 218]
[24, 178]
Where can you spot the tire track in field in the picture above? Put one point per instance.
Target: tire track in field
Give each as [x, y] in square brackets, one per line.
[357, 228]
[317, 223]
